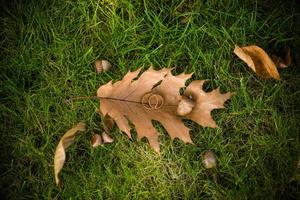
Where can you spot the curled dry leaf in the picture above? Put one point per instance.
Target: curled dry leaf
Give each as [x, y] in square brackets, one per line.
[154, 95]
[106, 138]
[102, 66]
[96, 140]
[209, 159]
[258, 60]
[284, 60]
[64, 143]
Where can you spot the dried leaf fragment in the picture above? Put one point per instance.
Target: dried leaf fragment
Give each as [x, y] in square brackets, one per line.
[209, 159]
[258, 60]
[106, 138]
[96, 140]
[101, 139]
[64, 143]
[102, 66]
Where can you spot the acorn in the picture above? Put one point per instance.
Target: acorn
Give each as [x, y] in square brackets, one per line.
[102, 66]
[185, 106]
[209, 159]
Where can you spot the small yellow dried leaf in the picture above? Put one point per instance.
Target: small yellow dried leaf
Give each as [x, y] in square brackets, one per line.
[258, 60]
[64, 143]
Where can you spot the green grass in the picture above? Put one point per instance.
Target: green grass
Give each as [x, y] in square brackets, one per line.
[48, 49]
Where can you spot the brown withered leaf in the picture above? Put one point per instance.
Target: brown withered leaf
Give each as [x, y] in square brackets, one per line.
[258, 60]
[64, 143]
[154, 95]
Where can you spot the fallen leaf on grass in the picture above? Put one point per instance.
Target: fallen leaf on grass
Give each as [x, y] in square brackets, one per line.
[64, 143]
[154, 95]
[258, 60]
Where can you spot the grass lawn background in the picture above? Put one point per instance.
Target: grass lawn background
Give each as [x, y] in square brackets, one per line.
[48, 49]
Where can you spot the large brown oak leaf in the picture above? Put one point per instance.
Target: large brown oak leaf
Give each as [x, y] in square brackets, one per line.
[154, 95]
